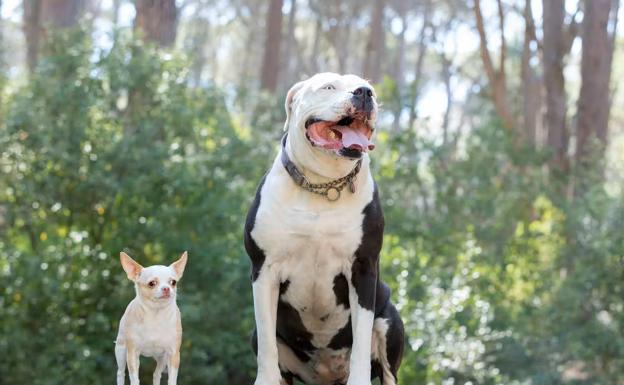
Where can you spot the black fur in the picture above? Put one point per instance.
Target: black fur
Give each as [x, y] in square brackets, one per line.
[341, 290]
[343, 338]
[290, 328]
[365, 269]
[256, 254]
[395, 338]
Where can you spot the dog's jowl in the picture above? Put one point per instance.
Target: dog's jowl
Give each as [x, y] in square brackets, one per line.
[313, 233]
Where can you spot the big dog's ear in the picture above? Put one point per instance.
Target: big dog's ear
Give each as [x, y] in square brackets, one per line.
[289, 100]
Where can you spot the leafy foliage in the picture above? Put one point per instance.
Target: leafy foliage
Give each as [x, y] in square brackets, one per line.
[499, 277]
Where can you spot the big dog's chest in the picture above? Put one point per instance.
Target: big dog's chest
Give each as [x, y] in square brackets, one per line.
[303, 232]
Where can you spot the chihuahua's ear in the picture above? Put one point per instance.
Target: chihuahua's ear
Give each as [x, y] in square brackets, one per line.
[179, 265]
[130, 266]
[290, 96]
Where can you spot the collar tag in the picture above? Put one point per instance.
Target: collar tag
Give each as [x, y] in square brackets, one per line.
[330, 190]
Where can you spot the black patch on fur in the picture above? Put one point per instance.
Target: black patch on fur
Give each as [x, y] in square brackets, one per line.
[283, 287]
[256, 254]
[342, 339]
[365, 269]
[291, 330]
[395, 338]
[254, 346]
[288, 377]
[376, 371]
[382, 297]
[290, 324]
[341, 290]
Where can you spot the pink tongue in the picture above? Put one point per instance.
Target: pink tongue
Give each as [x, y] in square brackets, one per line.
[355, 139]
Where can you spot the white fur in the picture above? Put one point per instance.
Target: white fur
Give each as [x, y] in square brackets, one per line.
[378, 350]
[151, 325]
[308, 240]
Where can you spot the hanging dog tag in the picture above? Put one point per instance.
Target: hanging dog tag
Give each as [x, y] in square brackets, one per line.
[352, 186]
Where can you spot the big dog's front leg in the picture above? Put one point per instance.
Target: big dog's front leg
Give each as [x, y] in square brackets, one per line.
[265, 295]
[362, 289]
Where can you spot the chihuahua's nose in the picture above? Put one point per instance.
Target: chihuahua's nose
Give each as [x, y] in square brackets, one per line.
[166, 290]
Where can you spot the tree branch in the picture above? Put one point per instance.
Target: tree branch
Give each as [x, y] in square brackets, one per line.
[503, 51]
[485, 53]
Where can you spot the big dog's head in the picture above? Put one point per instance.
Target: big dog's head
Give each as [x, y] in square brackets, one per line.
[331, 117]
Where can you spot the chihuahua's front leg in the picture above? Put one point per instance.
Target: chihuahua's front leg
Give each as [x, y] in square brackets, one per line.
[172, 367]
[265, 296]
[160, 366]
[132, 357]
[120, 356]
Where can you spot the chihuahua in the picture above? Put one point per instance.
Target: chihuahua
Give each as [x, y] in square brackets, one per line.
[151, 325]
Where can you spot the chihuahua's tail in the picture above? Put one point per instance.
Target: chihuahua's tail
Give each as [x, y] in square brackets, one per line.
[120, 355]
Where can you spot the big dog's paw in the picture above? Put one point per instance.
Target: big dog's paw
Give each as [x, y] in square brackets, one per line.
[358, 381]
[269, 380]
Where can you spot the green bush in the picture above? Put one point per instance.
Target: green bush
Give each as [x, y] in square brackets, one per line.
[500, 278]
[109, 152]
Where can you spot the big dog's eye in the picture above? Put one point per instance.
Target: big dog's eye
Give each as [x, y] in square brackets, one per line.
[151, 284]
[329, 87]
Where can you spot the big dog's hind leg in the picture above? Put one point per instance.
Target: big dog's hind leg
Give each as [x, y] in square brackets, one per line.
[290, 365]
[388, 337]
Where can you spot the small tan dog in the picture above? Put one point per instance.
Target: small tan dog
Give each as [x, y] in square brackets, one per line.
[151, 325]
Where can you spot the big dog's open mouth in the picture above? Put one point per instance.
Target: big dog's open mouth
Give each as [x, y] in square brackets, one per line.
[350, 134]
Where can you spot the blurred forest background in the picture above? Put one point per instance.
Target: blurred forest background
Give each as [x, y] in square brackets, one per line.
[145, 126]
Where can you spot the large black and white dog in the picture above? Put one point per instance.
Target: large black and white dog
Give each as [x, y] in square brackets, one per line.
[313, 233]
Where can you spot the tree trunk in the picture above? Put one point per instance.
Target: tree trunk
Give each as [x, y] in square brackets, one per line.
[316, 45]
[200, 28]
[271, 60]
[375, 45]
[422, 50]
[116, 8]
[60, 13]
[399, 67]
[40, 15]
[446, 75]
[554, 50]
[156, 21]
[290, 60]
[32, 31]
[594, 100]
[496, 77]
[530, 82]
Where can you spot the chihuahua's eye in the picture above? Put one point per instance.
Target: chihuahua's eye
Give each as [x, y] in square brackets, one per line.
[151, 284]
[173, 282]
[329, 87]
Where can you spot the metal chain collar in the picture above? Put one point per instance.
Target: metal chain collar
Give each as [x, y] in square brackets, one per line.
[330, 190]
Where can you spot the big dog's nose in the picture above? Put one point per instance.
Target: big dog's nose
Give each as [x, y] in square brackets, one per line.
[363, 99]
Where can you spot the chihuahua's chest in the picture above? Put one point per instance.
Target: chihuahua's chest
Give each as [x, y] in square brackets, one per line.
[156, 332]
[157, 337]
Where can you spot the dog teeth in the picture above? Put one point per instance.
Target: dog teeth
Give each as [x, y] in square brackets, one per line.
[332, 134]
